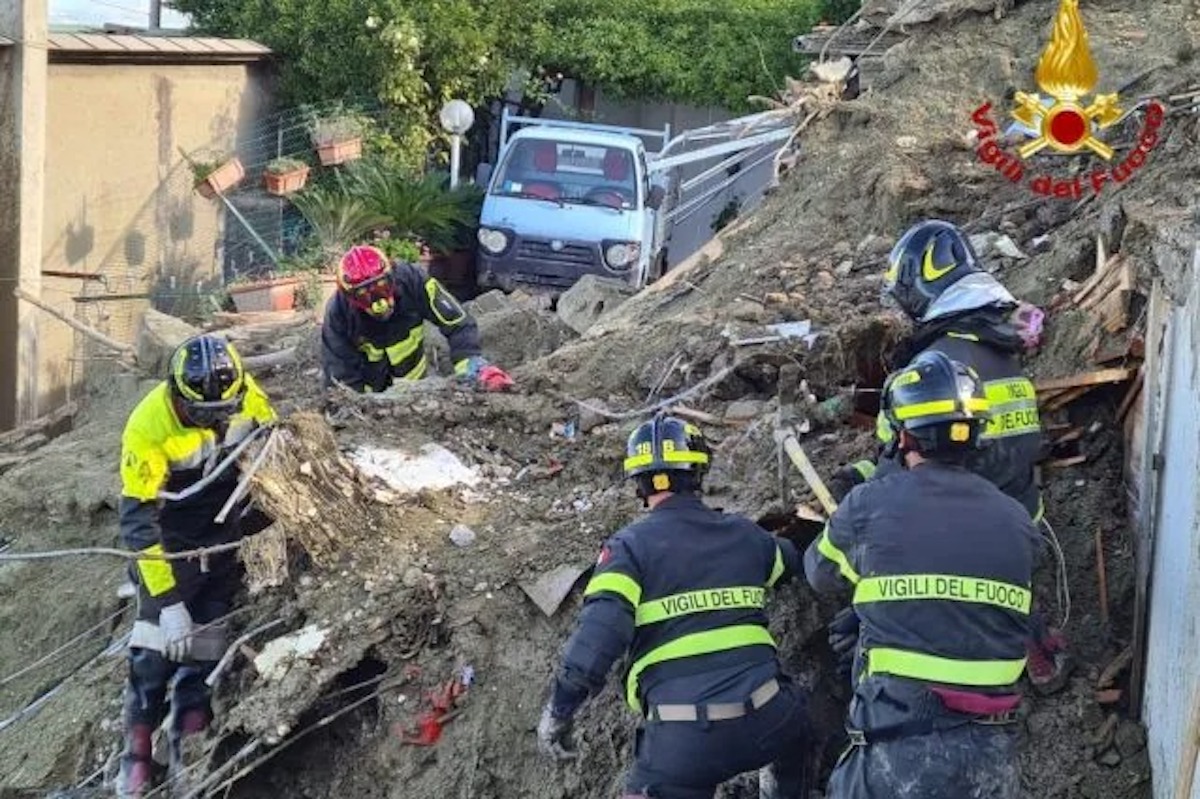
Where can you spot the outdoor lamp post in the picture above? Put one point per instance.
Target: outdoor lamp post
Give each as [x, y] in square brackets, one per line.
[456, 118]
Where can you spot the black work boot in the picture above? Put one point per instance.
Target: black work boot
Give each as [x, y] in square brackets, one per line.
[136, 777]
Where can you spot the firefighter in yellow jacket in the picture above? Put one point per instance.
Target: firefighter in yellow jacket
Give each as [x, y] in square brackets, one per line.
[176, 436]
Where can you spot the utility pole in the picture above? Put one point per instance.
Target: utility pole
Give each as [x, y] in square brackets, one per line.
[155, 14]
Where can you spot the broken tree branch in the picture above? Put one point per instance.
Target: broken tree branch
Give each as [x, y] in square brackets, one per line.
[1101, 575]
[120, 553]
[80, 327]
[268, 360]
[669, 401]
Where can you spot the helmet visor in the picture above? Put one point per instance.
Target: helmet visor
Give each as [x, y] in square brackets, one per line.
[371, 296]
[210, 414]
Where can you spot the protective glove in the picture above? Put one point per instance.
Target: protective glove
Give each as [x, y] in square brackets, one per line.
[843, 638]
[176, 625]
[477, 369]
[847, 477]
[493, 378]
[555, 736]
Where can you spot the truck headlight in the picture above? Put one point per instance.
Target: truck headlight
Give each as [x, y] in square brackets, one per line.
[621, 254]
[492, 240]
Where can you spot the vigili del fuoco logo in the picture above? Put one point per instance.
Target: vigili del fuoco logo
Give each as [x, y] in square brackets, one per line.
[1066, 124]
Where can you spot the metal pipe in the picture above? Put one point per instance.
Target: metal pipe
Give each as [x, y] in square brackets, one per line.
[202, 483]
[250, 228]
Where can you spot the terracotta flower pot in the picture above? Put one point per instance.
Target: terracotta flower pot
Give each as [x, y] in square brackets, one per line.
[284, 183]
[339, 152]
[221, 179]
[278, 294]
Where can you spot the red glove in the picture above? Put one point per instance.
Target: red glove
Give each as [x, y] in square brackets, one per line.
[493, 378]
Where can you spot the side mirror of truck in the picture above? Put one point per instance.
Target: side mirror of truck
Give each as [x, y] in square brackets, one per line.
[483, 174]
[656, 197]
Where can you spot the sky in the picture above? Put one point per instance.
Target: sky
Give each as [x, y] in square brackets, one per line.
[98, 12]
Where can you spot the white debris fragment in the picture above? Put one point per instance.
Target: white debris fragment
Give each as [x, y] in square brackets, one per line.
[278, 655]
[435, 467]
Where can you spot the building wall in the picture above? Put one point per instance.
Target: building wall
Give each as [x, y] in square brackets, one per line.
[1173, 635]
[119, 202]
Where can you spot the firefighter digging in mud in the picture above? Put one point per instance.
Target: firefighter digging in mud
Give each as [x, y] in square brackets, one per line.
[374, 327]
[176, 437]
[940, 563]
[935, 279]
[683, 590]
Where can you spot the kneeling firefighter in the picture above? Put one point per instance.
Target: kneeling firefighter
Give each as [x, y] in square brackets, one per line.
[179, 433]
[940, 562]
[374, 330]
[682, 589]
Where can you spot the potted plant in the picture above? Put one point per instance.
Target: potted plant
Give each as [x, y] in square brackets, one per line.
[337, 137]
[215, 175]
[272, 291]
[283, 176]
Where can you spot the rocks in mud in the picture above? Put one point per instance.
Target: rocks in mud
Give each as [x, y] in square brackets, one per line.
[157, 338]
[745, 410]
[591, 419]
[462, 535]
[996, 245]
[589, 299]
[1130, 738]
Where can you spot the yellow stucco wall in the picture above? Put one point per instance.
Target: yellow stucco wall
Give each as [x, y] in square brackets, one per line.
[119, 199]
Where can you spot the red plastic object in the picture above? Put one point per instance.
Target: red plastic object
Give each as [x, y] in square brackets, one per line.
[493, 378]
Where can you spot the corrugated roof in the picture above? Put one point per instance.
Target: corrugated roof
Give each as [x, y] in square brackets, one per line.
[133, 47]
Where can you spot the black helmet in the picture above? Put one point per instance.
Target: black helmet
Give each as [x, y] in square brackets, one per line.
[207, 380]
[930, 257]
[666, 454]
[939, 402]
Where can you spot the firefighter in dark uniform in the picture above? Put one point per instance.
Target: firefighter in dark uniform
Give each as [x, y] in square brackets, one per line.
[940, 563]
[374, 326]
[960, 310]
[179, 432]
[683, 590]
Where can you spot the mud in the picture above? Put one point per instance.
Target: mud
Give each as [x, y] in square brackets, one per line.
[407, 610]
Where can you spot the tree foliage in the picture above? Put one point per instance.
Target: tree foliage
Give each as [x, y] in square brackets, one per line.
[413, 55]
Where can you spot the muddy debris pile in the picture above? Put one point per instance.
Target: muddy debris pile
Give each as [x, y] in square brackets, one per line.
[399, 642]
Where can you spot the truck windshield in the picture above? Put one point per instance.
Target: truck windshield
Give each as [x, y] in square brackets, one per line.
[567, 172]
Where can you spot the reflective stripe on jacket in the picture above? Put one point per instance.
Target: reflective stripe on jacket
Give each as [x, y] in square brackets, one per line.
[684, 589]
[940, 562]
[159, 453]
[1013, 437]
[367, 354]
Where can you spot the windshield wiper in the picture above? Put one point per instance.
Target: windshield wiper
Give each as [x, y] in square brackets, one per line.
[531, 196]
[597, 203]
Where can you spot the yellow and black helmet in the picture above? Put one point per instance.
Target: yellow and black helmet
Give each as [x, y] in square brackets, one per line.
[666, 454]
[938, 401]
[207, 380]
[930, 257]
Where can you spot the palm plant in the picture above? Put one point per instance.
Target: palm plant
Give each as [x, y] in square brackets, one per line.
[415, 208]
[339, 219]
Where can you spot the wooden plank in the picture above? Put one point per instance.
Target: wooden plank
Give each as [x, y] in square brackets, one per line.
[1074, 434]
[95, 335]
[1135, 390]
[1109, 281]
[38, 426]
[1098, 272]
[1066, 398]
[1063, 463]
[1086, 379]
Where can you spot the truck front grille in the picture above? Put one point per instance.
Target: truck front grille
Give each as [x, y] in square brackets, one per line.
[539, 250]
